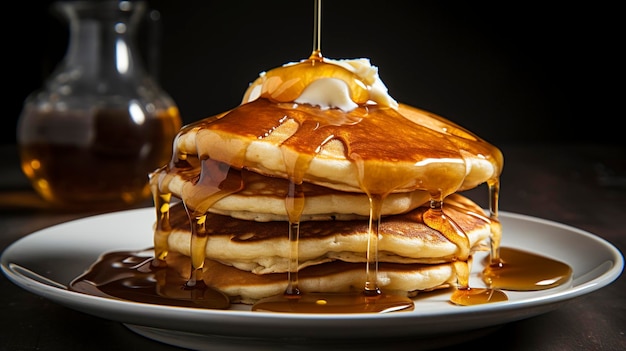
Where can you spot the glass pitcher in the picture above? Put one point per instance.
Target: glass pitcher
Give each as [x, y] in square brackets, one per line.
[100, 124]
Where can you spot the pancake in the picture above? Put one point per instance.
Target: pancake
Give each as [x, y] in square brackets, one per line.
[332, 277]
[267, 138]
[320, 173]
[264, 247]
[262, 199]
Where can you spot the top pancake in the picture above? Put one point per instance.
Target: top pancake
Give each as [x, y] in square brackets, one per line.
[370, 149]
[262, 198]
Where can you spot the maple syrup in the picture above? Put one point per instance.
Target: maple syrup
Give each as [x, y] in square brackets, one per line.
[520, 270]
[132, 276]
[89, 137]
[367, 140]
[103, 164]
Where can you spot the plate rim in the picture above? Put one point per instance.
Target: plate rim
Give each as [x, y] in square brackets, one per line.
[125, 311]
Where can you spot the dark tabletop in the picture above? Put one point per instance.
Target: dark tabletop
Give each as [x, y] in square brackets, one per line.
[583, 186]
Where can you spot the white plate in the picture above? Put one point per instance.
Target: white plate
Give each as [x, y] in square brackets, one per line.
[46, 261]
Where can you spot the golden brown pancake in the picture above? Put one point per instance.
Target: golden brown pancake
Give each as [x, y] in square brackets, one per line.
[263, 199]
[293, 155]
[332, 277]
[263, 247]
[268, 138]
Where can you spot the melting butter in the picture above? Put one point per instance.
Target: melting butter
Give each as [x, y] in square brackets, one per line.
[344, 84]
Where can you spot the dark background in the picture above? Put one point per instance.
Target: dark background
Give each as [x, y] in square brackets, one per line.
[516, 72]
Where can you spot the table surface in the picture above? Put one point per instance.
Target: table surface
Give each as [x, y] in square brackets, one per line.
[581, 185]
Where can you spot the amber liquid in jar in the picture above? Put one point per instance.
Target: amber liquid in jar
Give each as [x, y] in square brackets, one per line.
[94, 159]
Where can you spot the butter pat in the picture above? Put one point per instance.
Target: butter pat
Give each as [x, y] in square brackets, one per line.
[326, 83]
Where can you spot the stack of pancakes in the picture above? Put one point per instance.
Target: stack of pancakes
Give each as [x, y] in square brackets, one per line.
[239, 180]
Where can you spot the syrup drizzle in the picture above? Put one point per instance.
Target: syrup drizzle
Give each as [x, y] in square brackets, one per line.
[371, 299]
[160, 280]
[317, 29]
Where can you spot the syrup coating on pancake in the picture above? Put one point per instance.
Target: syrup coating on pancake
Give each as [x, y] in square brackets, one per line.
[329, 123]
[376, 149]
[396, 154]
[400, 148]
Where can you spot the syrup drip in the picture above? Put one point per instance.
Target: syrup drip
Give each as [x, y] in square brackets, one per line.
[371, 268]
[371, 289]
[162, 226]
[293, 300]
[294, 203]
[216, 181]
[464, 294]
[496, 227]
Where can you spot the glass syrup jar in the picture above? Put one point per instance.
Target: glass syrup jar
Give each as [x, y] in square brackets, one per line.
[100, 124]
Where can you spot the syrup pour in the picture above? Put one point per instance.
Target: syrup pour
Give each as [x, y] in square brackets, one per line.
[371, 299]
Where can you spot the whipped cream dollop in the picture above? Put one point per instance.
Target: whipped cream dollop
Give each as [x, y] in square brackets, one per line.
[326, 83]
